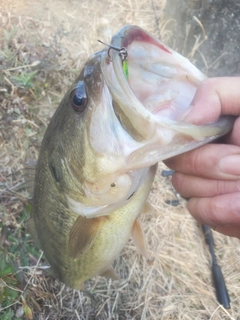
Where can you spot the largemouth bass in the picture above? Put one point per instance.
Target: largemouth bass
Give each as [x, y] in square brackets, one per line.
[100, 151]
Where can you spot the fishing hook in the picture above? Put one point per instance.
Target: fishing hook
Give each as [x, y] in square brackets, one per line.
[122, 51]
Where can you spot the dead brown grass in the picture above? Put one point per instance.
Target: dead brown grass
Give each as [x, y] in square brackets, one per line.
[54, 38]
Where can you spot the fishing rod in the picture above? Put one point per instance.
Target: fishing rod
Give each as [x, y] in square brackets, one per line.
[218, 278]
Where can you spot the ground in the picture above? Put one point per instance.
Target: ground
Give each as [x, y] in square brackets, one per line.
[42, 47]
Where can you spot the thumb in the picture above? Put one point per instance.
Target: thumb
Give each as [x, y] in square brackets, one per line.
[214, 96]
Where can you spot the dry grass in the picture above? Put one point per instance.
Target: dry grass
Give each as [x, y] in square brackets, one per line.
[43, 45]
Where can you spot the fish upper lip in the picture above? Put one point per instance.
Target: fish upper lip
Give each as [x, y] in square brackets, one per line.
[130, 33]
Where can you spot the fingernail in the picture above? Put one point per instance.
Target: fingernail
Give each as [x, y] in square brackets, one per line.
[236, 206]
[230, 164]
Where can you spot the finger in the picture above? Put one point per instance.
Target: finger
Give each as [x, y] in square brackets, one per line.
[229, 231]
[192, 186]
[223, 210]
[212, 161]
[215, 96]
[234, 136]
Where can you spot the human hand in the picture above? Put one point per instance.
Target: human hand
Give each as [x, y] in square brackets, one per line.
[210, 175]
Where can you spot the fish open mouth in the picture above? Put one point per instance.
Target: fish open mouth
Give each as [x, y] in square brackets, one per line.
[150, 98]
[157, 82]
[162, 80]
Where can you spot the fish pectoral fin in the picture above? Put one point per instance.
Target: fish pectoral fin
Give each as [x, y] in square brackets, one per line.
[109, 273]
[139, 239]
[82, 235]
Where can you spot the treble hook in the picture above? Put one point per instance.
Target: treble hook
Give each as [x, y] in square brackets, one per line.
[122, 51]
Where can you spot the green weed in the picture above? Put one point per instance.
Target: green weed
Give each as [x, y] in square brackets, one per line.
[16, 252]
[25, 79]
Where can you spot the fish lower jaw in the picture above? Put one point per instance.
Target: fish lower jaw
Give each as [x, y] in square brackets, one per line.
[94, 211]
[121, 190]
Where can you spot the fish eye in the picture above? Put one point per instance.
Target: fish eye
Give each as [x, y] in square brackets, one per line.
[78, 97]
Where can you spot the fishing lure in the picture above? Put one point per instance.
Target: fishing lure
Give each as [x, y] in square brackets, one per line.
[123, 55]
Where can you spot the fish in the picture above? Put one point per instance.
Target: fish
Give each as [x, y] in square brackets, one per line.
[99, 154]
